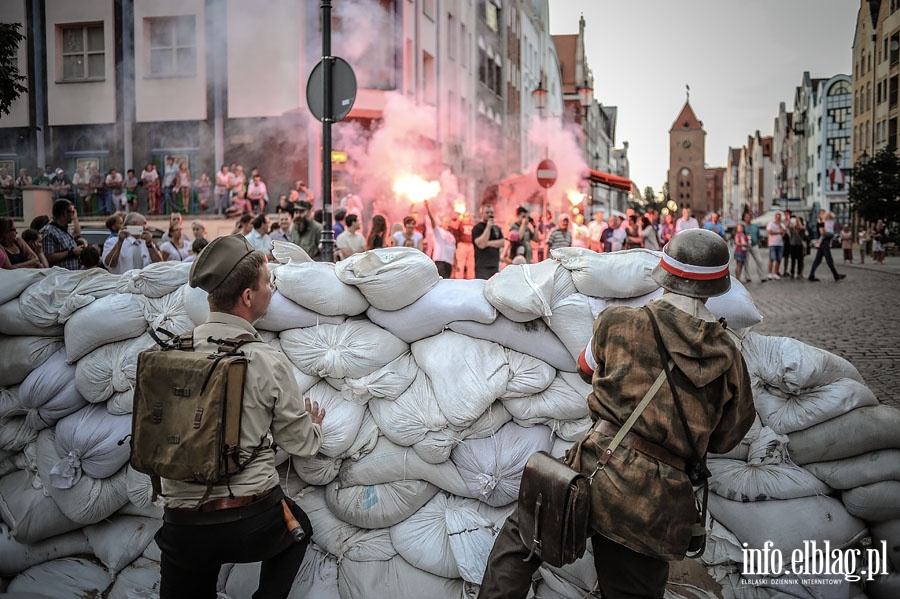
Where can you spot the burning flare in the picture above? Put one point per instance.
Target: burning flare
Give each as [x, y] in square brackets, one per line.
[415, 188]
[576, 197]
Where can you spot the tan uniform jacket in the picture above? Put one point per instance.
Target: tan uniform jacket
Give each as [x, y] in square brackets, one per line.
[273, 408]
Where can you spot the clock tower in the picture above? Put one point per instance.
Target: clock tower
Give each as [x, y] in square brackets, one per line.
[687, 162]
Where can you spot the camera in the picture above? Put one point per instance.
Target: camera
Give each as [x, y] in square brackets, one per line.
[135, 230]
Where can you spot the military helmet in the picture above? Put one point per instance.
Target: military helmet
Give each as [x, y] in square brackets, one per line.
[694, 263]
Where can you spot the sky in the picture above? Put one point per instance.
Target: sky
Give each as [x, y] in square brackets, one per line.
[741, 58]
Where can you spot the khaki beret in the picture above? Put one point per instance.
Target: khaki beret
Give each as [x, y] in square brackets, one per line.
[217, 261]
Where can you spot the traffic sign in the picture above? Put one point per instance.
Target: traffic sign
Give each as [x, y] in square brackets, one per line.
[343, 89]
[546, 173]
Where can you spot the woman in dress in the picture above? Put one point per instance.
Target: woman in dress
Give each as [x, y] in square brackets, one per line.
[177, 248]
[377, 233]
[183, 180]
[150, 179]
[741, 247]
[651, 241]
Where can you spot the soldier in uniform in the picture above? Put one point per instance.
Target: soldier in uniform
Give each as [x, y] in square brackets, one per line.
[643, 505]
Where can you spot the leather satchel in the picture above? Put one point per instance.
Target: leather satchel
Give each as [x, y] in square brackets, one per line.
[554, 510]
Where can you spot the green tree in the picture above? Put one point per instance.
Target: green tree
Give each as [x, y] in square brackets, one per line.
[875, 189]
[10, 86]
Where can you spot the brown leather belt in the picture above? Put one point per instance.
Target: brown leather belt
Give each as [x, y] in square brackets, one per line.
[640, 444]
[228, 503]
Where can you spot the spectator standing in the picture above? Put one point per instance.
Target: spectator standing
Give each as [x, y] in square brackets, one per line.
[177, 248]
[544, 228]
[40, 177]
[634, 237]
[741, 247]
[714, 225]
[378, 233]
[60, 246]
[579, 232]
[350, 241]
[667, 229]
[21, 182]
[131, 185]
[408, 236]
[203, 187]
[184, 184]
[788, 215]
[525, 232]
[461, 228]
[879, 238]
[283, 233]
[847, 244]
[799, 246]
[649, 234]
[238, 182]
[752, 231]
[62, 187]
[595, 230]
[488, 241]
[300, 193]
[307, 233]
[443, 244]
[169, 184]
[825, 230]
[98, 192]
[150, 179]
[18, 254]
[126, 251]
[339, 225]
[8, 191]
[222, 190]
[619, 235]
[560, 236]
[115, 190]
[686, 221]
[775, 231]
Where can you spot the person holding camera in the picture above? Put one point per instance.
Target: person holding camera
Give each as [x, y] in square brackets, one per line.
[643, 508]
[488, 241]
[132, 248]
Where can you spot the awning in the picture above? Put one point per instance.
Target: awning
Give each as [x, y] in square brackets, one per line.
[614, 181]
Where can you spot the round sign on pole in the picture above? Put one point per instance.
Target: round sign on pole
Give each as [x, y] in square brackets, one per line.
[546, 173]
[343, 94]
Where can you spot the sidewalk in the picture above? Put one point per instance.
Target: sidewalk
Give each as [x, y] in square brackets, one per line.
[891, 264]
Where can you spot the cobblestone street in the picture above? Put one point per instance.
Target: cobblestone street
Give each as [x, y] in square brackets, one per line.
[857, 318]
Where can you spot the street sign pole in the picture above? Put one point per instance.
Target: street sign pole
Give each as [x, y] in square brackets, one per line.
[328, 62]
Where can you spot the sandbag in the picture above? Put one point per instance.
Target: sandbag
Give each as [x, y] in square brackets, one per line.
[558, 402]
[168, 313]
[16, 557]
[10, 405]
[617, 274]
[527, 375]
[314, 286]
[859, 431]
[110, 369]
[53, 299]
[120, 540]
[32, 515]
[317, 577]
[13, 322]
[284, 314]
[21, 355]
[352, 349]
[395, 578]
[446, 537]
[63, 578]
[740, 481]
[742, 449]
[448, 300]
[788, 522]
[532, 338]
[139, 488]
[14, 282]
[49, 393]
[15, 433]
[570, 430]
[196, 304]
[492, 467]
[888, 532]
[856, 471]
[736, 306]
[139, 580]
[316, 470]
[112, 318]
[378, 506]
[523, 292]
[467, 374]
[88, 441]
[366, 439]
[598, 305]
[573, 322]
[786, 413]
[575, 580]
[389, 278]
[876, 502]
[155, 280]
[388, 382]
[791, 365]
[437, 445]
[340, 427]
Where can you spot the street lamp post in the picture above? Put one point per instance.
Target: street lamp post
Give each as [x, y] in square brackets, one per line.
[540, 96]
[585, 97]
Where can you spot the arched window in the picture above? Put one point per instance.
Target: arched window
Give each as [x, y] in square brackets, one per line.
[838, 88]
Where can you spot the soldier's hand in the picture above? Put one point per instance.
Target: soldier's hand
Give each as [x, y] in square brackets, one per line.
[316, 414]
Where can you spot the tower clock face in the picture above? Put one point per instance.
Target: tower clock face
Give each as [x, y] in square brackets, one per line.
[685, 172]
[686, 144]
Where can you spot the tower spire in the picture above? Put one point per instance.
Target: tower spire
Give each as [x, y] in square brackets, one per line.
[688, 92]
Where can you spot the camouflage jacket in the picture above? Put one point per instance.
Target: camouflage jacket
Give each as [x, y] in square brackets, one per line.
[638, 501]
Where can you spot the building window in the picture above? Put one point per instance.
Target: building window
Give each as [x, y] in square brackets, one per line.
[173, 46]
[491, 18]
[464, 41]
[82, 52]
[428, 8]
[451, 37]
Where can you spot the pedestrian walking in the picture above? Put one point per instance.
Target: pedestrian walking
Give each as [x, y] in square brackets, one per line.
[825, 229]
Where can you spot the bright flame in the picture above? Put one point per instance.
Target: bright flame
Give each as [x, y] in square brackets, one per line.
[415, 188]
[459, 207]
[576, 197]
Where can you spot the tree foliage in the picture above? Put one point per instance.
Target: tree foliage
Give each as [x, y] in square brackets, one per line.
[875, 190]
[10, 79]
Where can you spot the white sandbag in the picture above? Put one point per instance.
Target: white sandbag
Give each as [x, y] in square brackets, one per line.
[316, 470]
[406, 419]
[88, 442]
[32, 515]
[876, 502]
[49, 393]
[575, 580]
[140, 580]
[523, 292]
[9, 403]
[859, 431]
[449, 300]
[88, 501]
[736, 306]
[740, 481]
[436, 446]
[574, 380]
[598, 305]
[791, 365]
[788, 522]
[492, 467]
[560, 447]
[889, 533]
[571, 430]
[57, 296]
[617, 274]
[284, 314]
[155, 280]
[139, 488]
[341, 425]
[314, 286]
[16, 557]
[15, 433]
[197, 305]
[558, 402]
[395, 578]
[467, 374]
[110, 369]
[121, 403]
[352, 349]
[317, 577]
[573, 322]
[786, 413]
[378, 506]
[447, 537]
[21, 355]
[120, 540]
[722, 547]
[527, 375]
[14, 282]
[532, 338]
[365, 441]
[13, 322]
[112, 318]
[389, 278]
[856, 471]
[338, 538]
[287, 253]
[389, 462]
[388, 382]
[168, 313]
[63, 578]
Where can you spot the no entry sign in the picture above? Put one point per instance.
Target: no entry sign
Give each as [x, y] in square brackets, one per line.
[546, 173]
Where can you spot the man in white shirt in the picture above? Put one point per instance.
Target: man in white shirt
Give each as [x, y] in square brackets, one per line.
[170, 175]
[116, 190]
[686, 221]
[126, 251]
[443, 246]
[350, 241]
[223, 189]
[259, 236]
[595, 229]
[284, 228]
